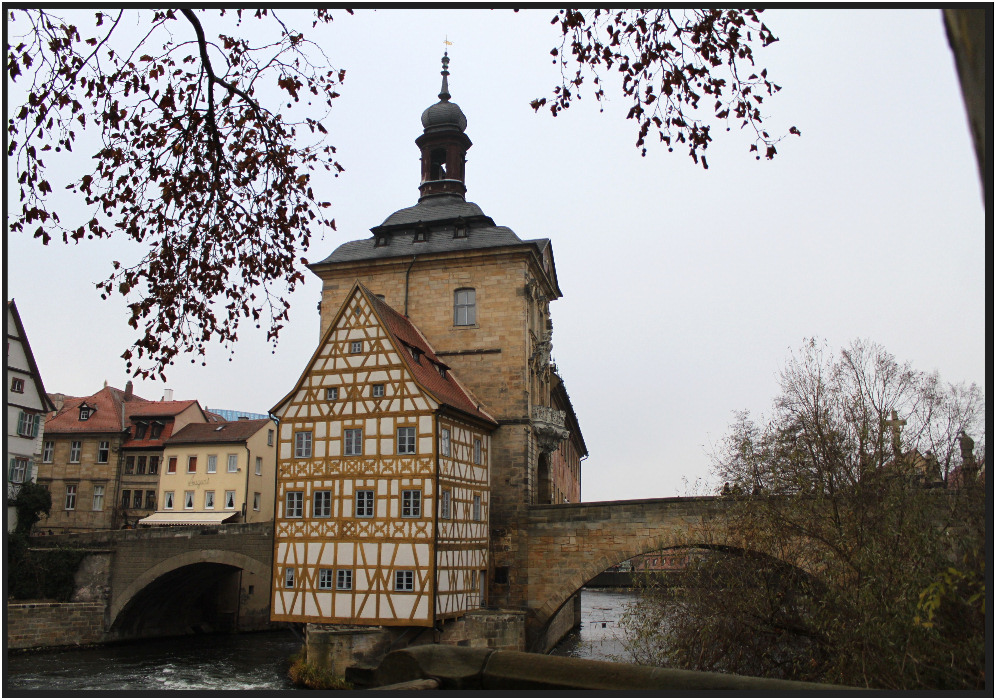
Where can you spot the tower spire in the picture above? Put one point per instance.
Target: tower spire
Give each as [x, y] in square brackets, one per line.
[444, 91]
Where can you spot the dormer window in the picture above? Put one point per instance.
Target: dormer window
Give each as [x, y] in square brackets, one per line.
[381, 241]
[421, 236]
[85, 412]
[460, 230]
[140, 429]
[441, 370]
[417, 354]
[155, 431]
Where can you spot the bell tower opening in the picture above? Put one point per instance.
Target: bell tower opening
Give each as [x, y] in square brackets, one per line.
[443, 144]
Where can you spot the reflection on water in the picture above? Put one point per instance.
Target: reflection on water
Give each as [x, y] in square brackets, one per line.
[600, 636]
[255, 661]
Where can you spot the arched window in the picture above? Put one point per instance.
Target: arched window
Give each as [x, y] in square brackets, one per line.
[464, 307]
[437, 167]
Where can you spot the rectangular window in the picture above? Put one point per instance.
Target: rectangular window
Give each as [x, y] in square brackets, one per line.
[325, 579]
[17, 385]
[208, 500]
[229, 500]
[256, 498]
[323, 505]
[332, 394]
[477, 506]
[269, 438]
[356, 346]
[130, 464]
[302, 444]
[404, 580]
[344, 579]
[27, 424]
[289, 577]
[150, 500]
[18, 470]
[411, 504]
[477, 451]
[191, 464]
[140, 429]
[153, 464]
[98, 497]
[137, 499]
[353, 439]
[377, 390]
[444, 505]
[168, 500]
[171, 466]
[444, 442]
[212, 464]
[48, 452]
[126, 498]
[155, 431]
[294, 507]
[75, 450]
[406, 441]
[71, 497]
[259, 466]
[464, 307]
[140, 464]
[233, 463]
[188, 500]
[364, 504]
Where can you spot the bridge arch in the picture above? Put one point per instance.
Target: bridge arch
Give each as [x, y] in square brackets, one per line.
[180, 580]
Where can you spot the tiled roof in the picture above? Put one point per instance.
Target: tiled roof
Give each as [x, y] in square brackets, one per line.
[107, 418]
[449, 391]
[152, 409]
[232, 431]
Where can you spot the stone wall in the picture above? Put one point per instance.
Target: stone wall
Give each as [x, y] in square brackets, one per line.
[31, 625]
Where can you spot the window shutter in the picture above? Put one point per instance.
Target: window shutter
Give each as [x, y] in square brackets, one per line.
[27, 471]
[10, 469]
[37, 422]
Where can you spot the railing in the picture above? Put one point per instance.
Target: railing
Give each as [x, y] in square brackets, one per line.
[467, 668]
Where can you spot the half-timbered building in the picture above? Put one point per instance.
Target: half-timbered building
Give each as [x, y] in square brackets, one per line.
[383, 479]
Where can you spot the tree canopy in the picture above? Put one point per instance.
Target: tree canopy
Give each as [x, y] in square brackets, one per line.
[857, 531]
[210, 132]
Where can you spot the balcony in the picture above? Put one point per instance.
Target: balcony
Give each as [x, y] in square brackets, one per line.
[549, 425]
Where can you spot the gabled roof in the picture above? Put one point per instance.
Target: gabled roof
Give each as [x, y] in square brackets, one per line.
[109, 416]
[47, 404]
[231, 431]
[448, 391]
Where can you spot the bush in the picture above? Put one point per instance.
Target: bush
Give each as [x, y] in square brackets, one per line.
[308, 675]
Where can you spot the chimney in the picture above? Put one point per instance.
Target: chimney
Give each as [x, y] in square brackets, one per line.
[129, 391]
[167, 394]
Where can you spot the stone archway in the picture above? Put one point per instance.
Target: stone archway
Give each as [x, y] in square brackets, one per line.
[183, 583]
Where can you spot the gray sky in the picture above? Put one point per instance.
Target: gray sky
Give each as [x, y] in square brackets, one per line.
[684, 289]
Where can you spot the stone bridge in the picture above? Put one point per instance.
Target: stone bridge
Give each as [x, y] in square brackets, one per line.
[175, 580]
[566, 545]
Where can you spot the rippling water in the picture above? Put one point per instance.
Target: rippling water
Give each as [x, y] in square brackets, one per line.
[600, 636]
[247, 662]
[256, 661]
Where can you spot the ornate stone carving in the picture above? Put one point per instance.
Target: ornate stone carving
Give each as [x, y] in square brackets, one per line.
[549, 425]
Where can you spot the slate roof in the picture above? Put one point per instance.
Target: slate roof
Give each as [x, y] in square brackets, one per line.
[231, 431]
[448, 391]
[108, 417]
[440, 215]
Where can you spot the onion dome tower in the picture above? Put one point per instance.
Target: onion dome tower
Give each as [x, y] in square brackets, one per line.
[443, 144]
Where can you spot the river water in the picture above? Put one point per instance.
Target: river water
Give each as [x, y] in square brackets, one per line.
[246, 662]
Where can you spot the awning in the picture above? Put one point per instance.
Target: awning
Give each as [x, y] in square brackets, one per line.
[187, 518]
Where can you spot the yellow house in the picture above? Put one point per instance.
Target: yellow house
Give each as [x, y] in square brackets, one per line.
[217, 472]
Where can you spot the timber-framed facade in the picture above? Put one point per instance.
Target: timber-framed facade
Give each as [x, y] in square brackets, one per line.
[382, 487]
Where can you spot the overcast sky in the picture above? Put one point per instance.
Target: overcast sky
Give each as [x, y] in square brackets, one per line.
[684, 290]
